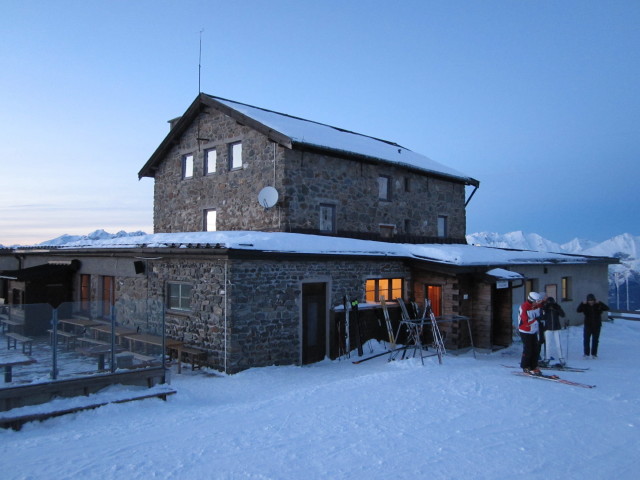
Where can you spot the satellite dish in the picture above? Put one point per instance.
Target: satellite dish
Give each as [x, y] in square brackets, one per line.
[268, 197]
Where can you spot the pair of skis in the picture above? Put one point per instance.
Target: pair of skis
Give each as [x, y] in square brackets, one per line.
[554, 378]
[350, 306]
[392, 337]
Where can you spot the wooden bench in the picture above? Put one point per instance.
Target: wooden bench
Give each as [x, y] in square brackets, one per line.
[193, 356]
[7, 323]
[27, 414]
[91, 341]
[68, 338]
[14, 338]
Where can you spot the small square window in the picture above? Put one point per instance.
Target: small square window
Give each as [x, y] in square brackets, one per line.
[235, 156]
[210, 159]
[179, 296]
[187, 166]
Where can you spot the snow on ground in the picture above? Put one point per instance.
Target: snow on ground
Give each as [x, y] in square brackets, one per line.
[467, 418]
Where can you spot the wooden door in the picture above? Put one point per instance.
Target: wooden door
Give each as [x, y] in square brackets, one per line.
[314, 322]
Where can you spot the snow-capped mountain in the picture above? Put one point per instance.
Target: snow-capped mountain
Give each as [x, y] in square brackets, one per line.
[623, 278]
[97, 235]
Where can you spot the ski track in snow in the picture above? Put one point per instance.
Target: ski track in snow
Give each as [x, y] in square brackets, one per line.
[466, 418]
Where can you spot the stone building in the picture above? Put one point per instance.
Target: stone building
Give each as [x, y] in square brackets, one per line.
[264, 222]
[220, 154]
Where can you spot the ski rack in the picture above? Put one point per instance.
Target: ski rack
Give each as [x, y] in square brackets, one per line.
[438, 342]
[415, 327]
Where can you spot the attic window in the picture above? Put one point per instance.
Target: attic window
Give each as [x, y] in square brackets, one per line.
[210, 159]
[235, 156]
[187, 165]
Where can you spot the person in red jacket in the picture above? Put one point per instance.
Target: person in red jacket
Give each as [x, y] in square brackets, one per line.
[528, 327]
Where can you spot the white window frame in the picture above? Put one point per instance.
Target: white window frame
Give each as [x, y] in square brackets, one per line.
[384, 188]
[187, 165]
[327, 218]
[210, 161]
[210, 220]
[235, 156]
[179, 296]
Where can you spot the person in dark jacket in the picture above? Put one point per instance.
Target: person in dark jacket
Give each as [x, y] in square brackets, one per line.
[592, 310]
[551, 314]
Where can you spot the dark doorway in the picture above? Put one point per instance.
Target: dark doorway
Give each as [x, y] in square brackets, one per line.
[501, 325]
[314, 322]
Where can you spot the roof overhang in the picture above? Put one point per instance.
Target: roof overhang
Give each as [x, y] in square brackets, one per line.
[46, 271]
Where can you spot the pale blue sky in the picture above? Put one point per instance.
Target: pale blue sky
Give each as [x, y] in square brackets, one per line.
[537, 99]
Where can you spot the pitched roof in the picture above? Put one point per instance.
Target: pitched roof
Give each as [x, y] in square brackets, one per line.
[293, 131]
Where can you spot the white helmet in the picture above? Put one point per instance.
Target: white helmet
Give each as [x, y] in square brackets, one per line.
[534, 297]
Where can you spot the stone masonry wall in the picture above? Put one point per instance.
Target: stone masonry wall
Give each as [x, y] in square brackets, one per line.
[263, 304]
[179, 203]
[304, 180]
[267, 297]
[352, 186]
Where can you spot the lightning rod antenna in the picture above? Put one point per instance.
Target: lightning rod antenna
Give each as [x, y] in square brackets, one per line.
[200, 62]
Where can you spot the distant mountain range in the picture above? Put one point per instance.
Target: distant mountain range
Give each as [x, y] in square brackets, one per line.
[623, 278]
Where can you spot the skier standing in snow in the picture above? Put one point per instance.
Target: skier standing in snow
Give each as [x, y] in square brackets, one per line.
[551, 312]
[528, 327]
[592, 310]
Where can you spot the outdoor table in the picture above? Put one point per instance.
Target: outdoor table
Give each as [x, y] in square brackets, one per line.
[80, 322]
[147, 339]
[9, 361]
[8, 323]
[121, 332]
[100, 351]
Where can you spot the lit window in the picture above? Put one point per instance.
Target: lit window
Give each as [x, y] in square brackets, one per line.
[179, 296]
[384, 188]
[390, 288]
[327, 218]
[210, 221]
[210, 159]
[442, 226]
[187, 166]
[235, 155]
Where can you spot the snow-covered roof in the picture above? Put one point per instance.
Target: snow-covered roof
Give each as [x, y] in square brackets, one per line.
[307, 132]
[503, 274]
[291, 130]
[281, 242]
